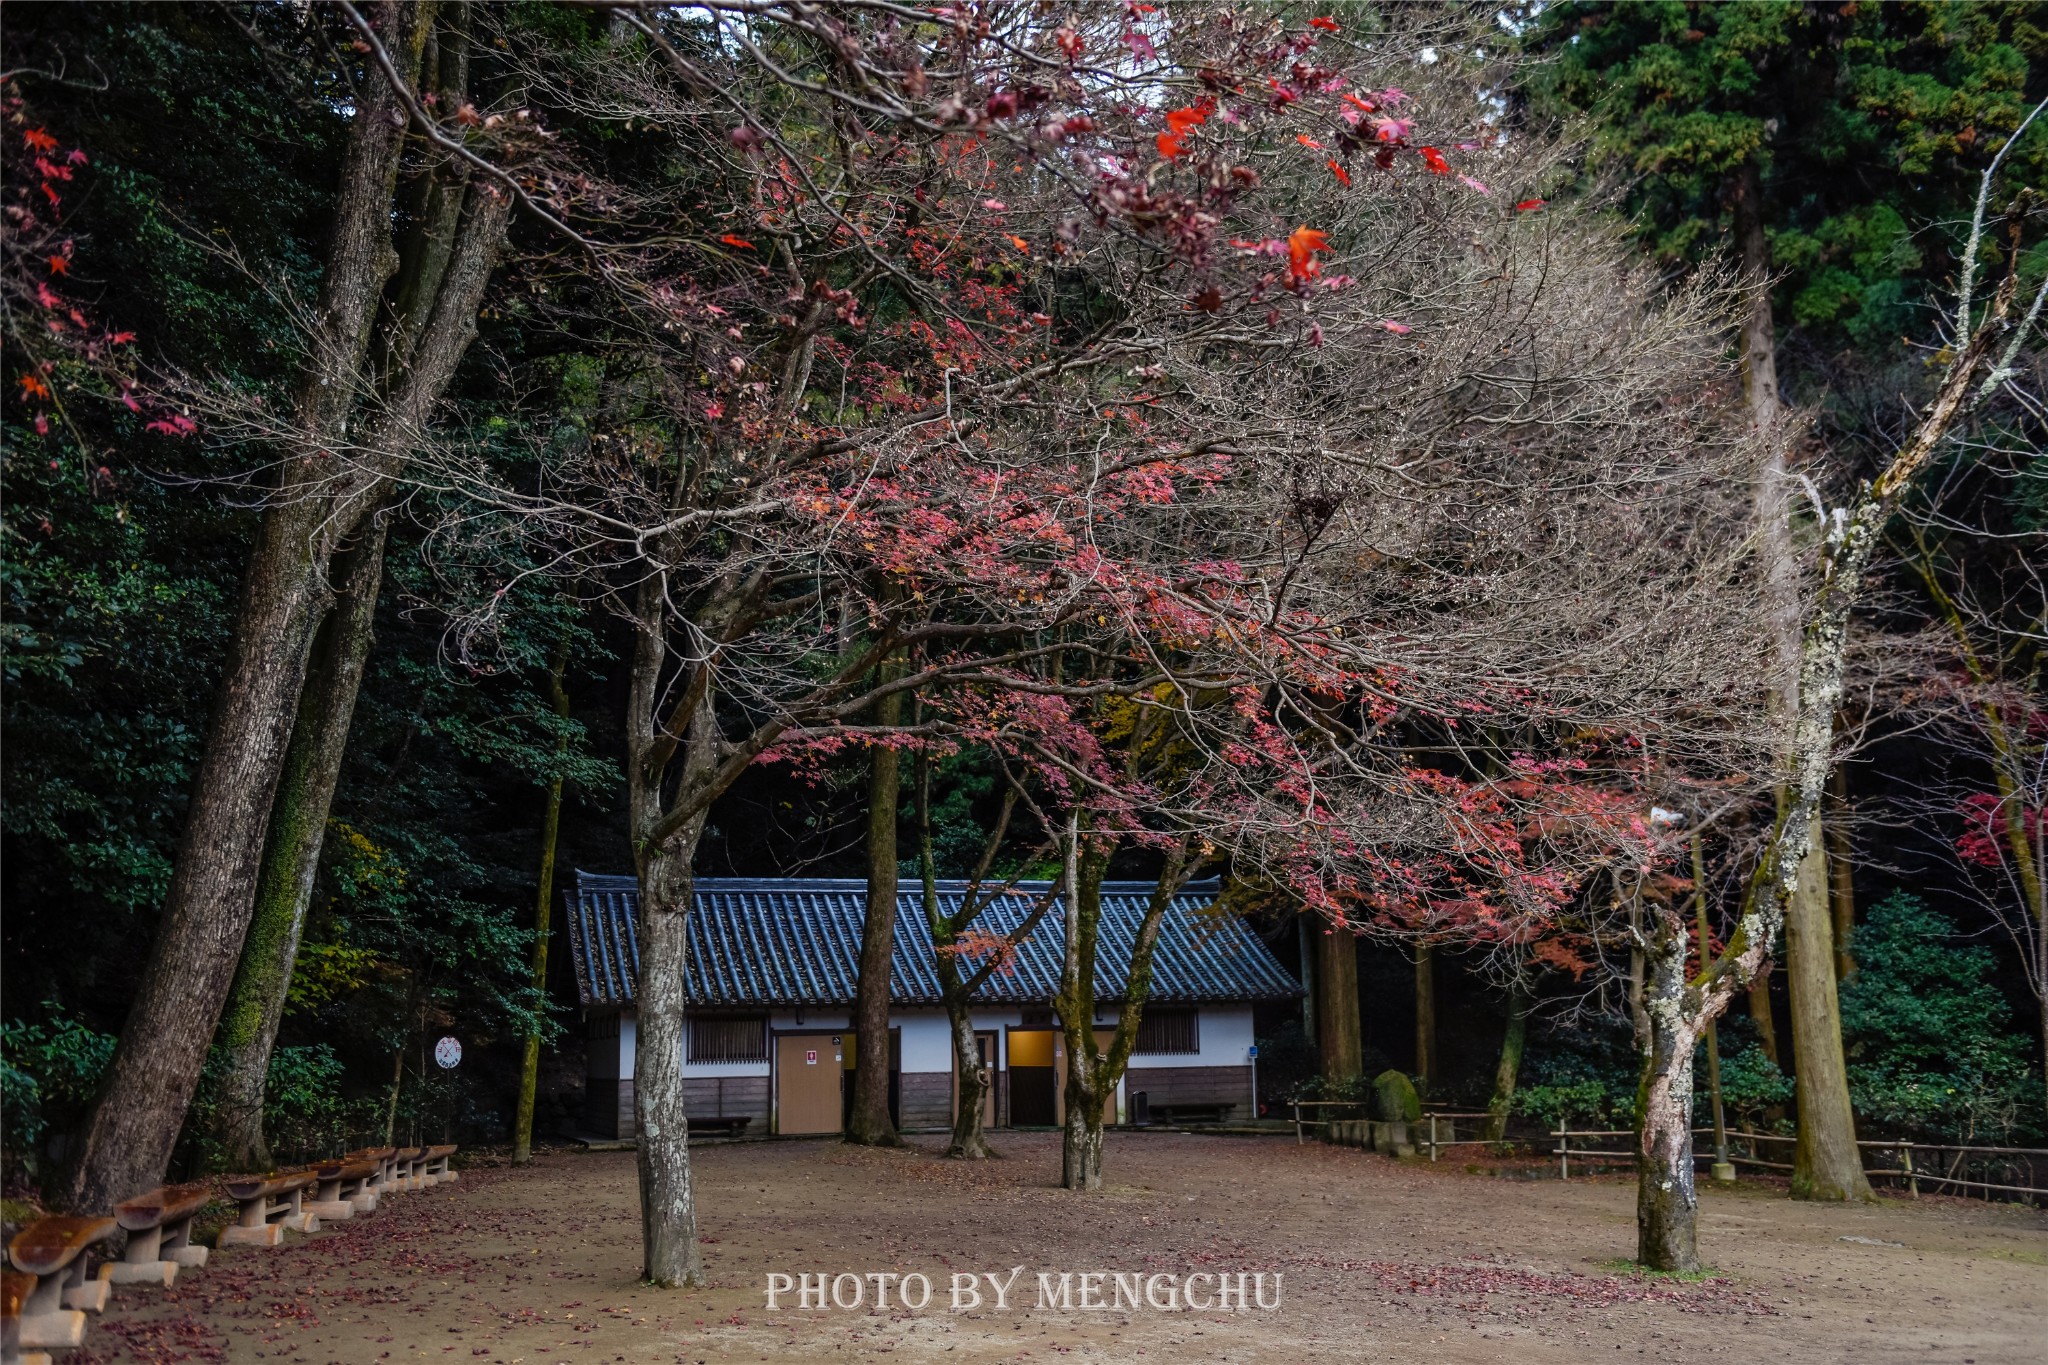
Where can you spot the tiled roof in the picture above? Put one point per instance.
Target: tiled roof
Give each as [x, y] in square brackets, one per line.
[797, 942]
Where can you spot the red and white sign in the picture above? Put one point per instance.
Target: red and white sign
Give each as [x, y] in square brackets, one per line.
[811, 1057]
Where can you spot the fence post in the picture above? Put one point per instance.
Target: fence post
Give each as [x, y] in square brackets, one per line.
[1906, 1164]
[1432, 1137]
[1564, 1156]
[1297, 1122]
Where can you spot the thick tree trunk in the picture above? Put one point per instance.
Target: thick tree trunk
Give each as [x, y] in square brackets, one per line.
[969, 1141]
[126, 1145]
[1337, 1018]
[1081, 1136]
[1509, 1069]
[1826, 1163]
[870, 1124]
[1425, 1017]
[543, 915]
[668, 1208]
[1841, 873]
[298, 830]
[1667, 1204]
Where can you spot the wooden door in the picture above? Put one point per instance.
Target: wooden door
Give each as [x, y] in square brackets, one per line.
[807, 1083]
[986, 1044]
[1034, 1092]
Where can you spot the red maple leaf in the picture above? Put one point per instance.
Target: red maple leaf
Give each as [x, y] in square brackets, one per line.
[1434, 159]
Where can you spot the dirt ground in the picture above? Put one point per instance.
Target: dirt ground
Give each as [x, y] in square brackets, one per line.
[1380, 1259]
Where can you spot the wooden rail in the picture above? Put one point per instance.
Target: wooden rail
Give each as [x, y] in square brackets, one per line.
[1906, 1171]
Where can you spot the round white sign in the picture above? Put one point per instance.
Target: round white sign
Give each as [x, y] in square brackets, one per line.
[447, 1052]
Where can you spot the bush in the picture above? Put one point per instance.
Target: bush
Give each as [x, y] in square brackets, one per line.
[1931, 1045]
[48, 1073]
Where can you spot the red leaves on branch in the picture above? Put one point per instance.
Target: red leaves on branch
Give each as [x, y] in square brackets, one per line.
[1302, 244]
[1434, 159]
[1179, 123]
[1529, 205]
[1323, 22]
[735, 241]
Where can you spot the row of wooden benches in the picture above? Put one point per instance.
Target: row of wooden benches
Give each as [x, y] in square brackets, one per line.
[44, 1292]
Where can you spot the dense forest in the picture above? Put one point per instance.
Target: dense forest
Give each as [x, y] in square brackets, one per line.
[1546, 502]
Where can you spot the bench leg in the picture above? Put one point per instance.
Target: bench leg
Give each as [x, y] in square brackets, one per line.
[64, 1328]
[85, 1295]
[164, 1273]
[264, 1235]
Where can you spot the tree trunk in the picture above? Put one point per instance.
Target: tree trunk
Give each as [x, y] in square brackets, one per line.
[1337, 1016]
[543, 913]
[1425, 1017]
[1509, 1068]
[1826, 1163]
[1081, 1136]
[668, 1208]
[969, 1141]
[1081, 1124]
[126, 1144]
[1841, 873]
[291, 860]
[870, 1124]
[1761, 1014]
[1667, 1204]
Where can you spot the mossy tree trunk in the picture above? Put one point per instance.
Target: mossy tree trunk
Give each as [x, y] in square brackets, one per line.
[291, 858]
[543, 914]
[1507, 1071]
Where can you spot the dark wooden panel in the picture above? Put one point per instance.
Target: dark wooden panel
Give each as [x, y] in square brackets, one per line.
[1193, 1085]
[925, 1099]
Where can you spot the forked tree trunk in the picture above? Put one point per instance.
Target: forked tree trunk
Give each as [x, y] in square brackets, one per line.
[291, 860]
[870, 1124]
[1509, 1069]
[1826, 1163]
[1338, 1033]
[1667, 1204]
[543, 915]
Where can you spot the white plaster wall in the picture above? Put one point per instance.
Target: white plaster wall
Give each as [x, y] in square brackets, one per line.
[1225, 1033]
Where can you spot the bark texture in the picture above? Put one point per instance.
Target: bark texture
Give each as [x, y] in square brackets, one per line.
[870, 1124]
[1826, 1163]
[291, 860]
[1425, 1017]
[1507, 1071]
[543, 915]
[1338, 1035]
[1841, 873]
[1667, 1202]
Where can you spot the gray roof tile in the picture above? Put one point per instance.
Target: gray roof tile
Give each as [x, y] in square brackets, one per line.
[795, 941]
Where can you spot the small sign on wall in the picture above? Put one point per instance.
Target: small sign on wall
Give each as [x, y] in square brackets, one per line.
[811, 1057]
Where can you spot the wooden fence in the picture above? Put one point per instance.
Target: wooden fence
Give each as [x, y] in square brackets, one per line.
[1944, 1166]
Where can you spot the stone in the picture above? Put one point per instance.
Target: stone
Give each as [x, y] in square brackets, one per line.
[1394, 1097]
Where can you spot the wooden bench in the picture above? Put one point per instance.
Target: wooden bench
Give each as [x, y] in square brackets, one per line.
[730, 1126]
[52, 1249]
[405, 1169]
[434, 1169]
[1191, 1113]
[159, 1228]
[341, 1189]
[15, 1288]
[386, 1159]
[270, 1204]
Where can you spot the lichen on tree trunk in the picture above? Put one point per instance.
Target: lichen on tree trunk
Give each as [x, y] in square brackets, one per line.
[298, 826]
[1667, 1203]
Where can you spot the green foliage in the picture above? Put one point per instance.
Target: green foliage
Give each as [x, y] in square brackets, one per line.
[1750, 1084]
[48, 1071]
[1581, 1074]
[1931, 1041]
[1865, 126]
